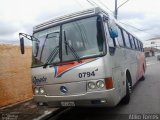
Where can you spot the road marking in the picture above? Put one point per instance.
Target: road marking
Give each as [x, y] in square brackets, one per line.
[43, 115]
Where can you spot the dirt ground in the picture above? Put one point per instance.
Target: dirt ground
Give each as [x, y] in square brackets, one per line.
[15, 75]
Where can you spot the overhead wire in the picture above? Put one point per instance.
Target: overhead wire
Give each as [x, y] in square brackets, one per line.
[91, 3]
[79, 3]
[139, 29]
[122, 4]
[105, 6]
[119, 21]
[127, 23]
[95, 3]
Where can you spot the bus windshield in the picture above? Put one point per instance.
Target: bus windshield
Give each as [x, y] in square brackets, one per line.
[84, 36]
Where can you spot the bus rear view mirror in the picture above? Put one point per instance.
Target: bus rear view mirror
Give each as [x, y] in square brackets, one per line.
[112, 29]
[31, 38]
[22, 45]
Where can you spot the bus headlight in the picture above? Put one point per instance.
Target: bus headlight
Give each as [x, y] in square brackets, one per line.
[41, 90]
[36, 91]
[91, 85]
[100, 84]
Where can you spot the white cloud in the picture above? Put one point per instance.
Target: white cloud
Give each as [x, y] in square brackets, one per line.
[21, 15]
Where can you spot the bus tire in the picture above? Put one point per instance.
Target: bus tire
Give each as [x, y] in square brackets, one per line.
[143, 77]
[126, 98]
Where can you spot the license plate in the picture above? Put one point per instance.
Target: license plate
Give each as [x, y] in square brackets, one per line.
[67, 104]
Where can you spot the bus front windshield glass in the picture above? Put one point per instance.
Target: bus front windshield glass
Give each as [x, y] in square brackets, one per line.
[83, 36]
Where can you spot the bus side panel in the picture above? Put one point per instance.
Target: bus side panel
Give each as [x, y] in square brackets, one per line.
[118, 84]
[118, 71]
[133, 66]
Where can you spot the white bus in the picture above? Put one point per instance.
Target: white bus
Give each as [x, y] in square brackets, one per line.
[84, 59]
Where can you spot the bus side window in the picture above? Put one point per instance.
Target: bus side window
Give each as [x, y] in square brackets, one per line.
[126, 37]
[142, 48]
[111, 42]
[132, 42]
[135, 42]
[120, 38]
[139, 45]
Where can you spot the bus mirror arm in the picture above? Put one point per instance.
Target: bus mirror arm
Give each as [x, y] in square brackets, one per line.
[29, 37]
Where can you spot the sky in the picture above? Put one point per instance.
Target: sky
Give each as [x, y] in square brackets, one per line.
[142, 17]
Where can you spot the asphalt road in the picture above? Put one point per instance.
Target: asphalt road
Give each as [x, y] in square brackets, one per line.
[144, 104]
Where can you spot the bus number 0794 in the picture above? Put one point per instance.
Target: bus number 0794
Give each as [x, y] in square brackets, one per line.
[86, 74]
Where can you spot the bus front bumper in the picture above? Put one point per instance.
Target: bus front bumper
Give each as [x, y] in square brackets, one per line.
[94, 98]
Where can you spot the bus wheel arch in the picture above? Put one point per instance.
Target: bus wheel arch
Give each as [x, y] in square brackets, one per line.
[128, 77]
[126, 98]
[144, 68]
[143, 75]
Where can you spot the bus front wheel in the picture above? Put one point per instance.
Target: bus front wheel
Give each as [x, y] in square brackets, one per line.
[126, 98]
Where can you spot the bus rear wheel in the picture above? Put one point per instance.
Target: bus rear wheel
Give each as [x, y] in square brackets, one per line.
[143, 77]
[126, 98]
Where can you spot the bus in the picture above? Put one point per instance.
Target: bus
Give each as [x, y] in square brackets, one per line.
[86, 58]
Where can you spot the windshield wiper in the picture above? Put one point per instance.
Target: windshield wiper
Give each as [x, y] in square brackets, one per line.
[47, 36]
[74, 53]
[43, 46]
[51, 56]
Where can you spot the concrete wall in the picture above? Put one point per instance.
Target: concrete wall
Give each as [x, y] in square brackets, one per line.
[15, 79]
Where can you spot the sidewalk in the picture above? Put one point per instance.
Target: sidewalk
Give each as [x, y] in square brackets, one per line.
[24, 111]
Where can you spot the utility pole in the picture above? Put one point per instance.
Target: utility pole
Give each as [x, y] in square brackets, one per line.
[116, 10]
[117, 7]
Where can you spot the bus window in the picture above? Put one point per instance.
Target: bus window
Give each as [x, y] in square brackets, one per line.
[132, 42]
[139, 45]
[142, 48]
[120, 38]
[110, 40]
[126, 39]
[136, 41]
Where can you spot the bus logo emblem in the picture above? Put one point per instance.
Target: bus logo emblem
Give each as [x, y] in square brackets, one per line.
[63, 89]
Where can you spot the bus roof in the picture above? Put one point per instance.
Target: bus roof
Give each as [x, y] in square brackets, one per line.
[75, 15]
